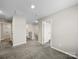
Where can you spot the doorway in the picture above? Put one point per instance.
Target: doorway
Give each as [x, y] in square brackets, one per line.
[5, 33]
[46, 32]
[32, 32]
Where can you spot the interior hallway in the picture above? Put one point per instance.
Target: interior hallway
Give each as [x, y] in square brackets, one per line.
[32, 50]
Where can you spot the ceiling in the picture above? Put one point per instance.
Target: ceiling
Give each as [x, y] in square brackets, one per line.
[43, 7]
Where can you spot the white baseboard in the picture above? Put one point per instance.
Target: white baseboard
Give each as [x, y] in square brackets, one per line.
[64, 52]
[19, 43]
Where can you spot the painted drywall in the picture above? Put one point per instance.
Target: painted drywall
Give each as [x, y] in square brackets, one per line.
[19, 30]
[0, 31]
[65, 30]
[40, 37]
[43, 7]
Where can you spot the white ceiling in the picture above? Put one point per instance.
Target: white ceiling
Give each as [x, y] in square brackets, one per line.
[43, 7]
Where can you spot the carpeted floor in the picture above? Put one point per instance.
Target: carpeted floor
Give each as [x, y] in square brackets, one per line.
[32, 50]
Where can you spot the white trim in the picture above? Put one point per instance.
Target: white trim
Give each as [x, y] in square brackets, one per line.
[64, 52]
[17, 44]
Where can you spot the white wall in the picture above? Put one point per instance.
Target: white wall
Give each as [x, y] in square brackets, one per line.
[19, 30]
[0, 31]
[65, 30]
[40, 35]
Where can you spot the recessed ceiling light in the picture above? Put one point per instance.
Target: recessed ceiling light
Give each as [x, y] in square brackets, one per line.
[1, 11]
[32, 6]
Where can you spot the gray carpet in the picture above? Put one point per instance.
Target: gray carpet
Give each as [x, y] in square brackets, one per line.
[32, 50]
